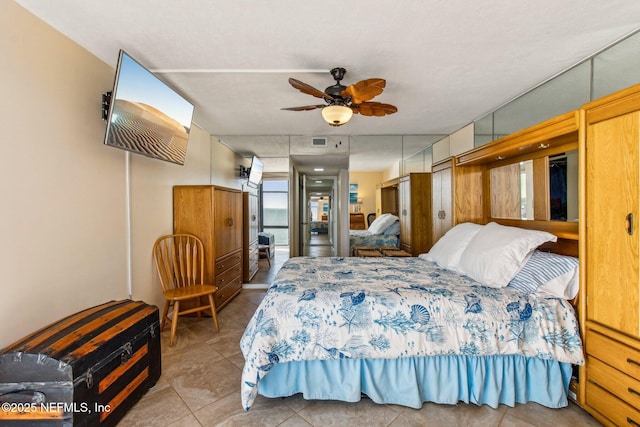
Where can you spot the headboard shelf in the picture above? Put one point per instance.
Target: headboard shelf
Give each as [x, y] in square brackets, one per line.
[476, 169]
[527, 143]
[561, 229]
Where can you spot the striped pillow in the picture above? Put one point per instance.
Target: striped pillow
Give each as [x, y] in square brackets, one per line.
[549, 271]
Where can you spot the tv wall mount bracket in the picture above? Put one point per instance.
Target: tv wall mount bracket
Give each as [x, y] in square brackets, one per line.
[106, 103]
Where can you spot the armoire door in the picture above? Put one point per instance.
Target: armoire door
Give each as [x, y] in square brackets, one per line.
[612, 182]
[442, 199]
[228, 221]
[446, 191]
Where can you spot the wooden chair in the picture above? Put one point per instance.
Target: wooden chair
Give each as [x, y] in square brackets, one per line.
[370, 218]
[179, 260]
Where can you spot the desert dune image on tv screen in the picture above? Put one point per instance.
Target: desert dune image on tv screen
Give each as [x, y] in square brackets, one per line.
[143, 129]
[147, 116]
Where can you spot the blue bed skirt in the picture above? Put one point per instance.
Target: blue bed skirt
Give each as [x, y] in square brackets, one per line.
[487, 380]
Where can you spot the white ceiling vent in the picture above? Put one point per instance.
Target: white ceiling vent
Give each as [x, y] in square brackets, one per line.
[319, 142]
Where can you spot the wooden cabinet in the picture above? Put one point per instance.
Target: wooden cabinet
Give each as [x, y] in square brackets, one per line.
[214, 214]
[250, 235]
[611, 262]
[356, 221]
[415, 213]
[441, 199]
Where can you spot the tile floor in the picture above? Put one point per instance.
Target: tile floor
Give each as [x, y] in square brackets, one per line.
[200, 386]
[267, 272]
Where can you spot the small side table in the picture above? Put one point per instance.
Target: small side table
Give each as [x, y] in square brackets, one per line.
[357, 248]
[374, 253]
[263, 252]
[395, 253]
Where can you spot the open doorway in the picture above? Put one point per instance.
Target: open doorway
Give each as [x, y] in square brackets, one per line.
[313, 176]
[319, 231]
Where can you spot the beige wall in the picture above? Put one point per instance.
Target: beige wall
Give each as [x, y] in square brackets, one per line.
[207, 162]
[65, 203]
[367, 182]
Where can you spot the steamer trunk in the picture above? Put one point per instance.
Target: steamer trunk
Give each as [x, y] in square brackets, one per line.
[86, 369]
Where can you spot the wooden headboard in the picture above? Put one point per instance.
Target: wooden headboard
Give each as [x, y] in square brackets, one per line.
[472, 178]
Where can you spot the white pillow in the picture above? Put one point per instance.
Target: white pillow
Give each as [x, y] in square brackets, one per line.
[565, 286]
[448, 249]
[381, 223]
[393, 229]
[548, 274]
[497, 252]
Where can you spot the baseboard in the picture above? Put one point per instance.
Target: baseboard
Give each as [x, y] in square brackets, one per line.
[255, 286]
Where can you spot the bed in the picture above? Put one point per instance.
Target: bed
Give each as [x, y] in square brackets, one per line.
[320, 227]
[383, 231]
[406, 331]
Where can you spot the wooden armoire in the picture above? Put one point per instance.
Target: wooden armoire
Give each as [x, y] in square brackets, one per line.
[415, 212]
[214, 214]
[610, 264]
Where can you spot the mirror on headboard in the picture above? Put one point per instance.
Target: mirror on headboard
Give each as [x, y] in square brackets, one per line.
[544, 188]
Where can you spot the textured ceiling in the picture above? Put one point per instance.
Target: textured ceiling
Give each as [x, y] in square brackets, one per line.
[446, 63]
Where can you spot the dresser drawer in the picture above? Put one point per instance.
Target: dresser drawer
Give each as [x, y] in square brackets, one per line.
[253, 268]
[228, 261]
[614, 353]
[228, 276]
[253, 253]
[617, 411]
[619, 384]
[227, 292]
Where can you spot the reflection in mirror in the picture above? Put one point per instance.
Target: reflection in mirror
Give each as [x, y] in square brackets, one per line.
[617, 67]
[483, 130]
[563, 187]
[543, 102]
[512, 191]
[513, 187]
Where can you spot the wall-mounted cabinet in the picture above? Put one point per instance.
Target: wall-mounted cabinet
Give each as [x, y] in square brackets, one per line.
[456, 196]
[442, 199]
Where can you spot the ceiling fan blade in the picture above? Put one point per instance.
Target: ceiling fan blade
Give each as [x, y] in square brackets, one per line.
[305, 108]
[308, 89]
[374, 109]
[364, 90]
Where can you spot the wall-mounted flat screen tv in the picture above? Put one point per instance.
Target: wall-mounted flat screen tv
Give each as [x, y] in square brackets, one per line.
[255, 174]
[145, 115]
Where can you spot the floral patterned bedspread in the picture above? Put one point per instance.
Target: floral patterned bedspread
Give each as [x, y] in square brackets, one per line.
[331, 308]
[365, 238]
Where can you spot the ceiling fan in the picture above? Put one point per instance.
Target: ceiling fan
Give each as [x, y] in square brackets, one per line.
[342, 101]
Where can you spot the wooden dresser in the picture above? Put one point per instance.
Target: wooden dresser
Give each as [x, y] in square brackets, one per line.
[611, 275]
[214, 214]
[250, 234]
[356, 221]
[415, 213]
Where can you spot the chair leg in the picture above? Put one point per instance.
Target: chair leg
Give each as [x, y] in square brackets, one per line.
[174, 322]
[213, 313]
[165, 315]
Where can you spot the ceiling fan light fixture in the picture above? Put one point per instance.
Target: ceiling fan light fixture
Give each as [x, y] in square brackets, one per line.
[337, 115]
